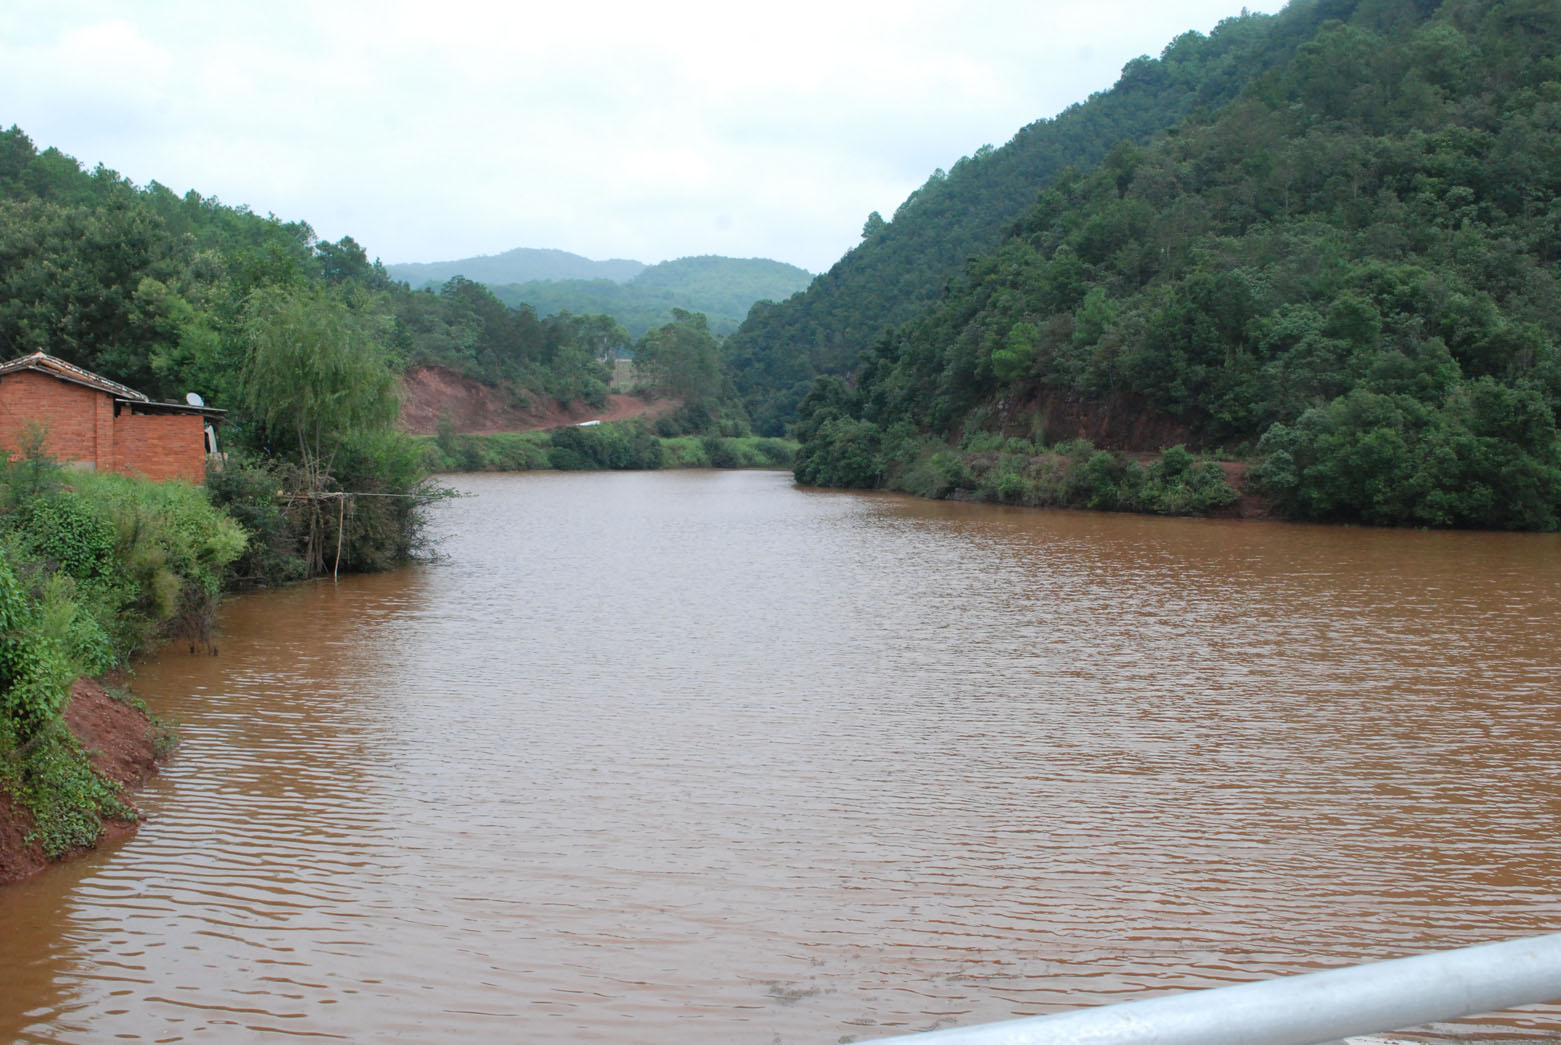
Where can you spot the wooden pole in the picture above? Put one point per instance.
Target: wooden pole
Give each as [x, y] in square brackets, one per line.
[341, 515]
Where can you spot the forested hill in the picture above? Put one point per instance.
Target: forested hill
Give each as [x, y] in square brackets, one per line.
[1349, 272]
[724, 289]
[902, 265]
[170, 294]
[521, 265]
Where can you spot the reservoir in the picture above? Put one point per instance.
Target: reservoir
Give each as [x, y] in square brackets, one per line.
[705, 757]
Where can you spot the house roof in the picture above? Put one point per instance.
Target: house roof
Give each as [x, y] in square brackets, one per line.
[58, 368]
[46, 363]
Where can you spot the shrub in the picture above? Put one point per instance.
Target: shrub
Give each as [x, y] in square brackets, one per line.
[172, 546]
[843, 453]
[720, 452]
[64, 529]
[617, 446]
[685, 452]
[773, 452]
[1012, 488]
[34, 669]
[246, 488]
[383, 519]
[68, 800]
[41, 764]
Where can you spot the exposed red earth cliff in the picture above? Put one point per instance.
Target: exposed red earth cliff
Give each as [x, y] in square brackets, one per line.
[119, 740]
[431, 393]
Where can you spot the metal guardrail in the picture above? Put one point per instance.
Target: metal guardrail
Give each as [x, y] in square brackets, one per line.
[1316, 1008]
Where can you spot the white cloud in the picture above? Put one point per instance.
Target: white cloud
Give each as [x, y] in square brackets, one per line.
[432, 131]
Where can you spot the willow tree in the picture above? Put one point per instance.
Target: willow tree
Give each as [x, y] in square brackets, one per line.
[316, 379]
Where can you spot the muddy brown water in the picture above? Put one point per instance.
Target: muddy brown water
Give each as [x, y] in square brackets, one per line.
[704, 757]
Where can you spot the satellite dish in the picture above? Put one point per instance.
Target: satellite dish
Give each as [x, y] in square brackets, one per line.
[194, 399]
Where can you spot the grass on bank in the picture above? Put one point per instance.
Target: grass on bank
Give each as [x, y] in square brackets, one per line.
[93, 568]
[613, 445]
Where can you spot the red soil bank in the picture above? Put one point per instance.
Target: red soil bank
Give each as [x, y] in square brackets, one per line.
[118, 738]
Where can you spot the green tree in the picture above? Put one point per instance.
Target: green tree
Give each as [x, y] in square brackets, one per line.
[316, 378]
[681, 359]
[316, 371]
[598, 337]
[1016, 355]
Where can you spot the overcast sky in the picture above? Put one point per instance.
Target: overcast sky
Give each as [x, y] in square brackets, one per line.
[431, 131]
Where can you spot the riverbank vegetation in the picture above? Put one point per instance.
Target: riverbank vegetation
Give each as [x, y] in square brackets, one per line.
[609, 446]
[93, 568]
[987, 466]
[297, 340]
[1347, 273]
[698, 420]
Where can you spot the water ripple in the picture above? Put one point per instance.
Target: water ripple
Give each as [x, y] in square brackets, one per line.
[710, 758]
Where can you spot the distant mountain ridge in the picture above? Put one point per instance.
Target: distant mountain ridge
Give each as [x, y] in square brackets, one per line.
[521, 265]
[638, 296]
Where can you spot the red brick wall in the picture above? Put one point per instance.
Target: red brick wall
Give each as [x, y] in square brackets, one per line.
[161, 446]
[68, 412]
[82, 427]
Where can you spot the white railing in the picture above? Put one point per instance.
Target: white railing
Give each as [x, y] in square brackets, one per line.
[1310, 1009]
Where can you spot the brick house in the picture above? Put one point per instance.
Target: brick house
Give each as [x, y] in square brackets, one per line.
[93, 423]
